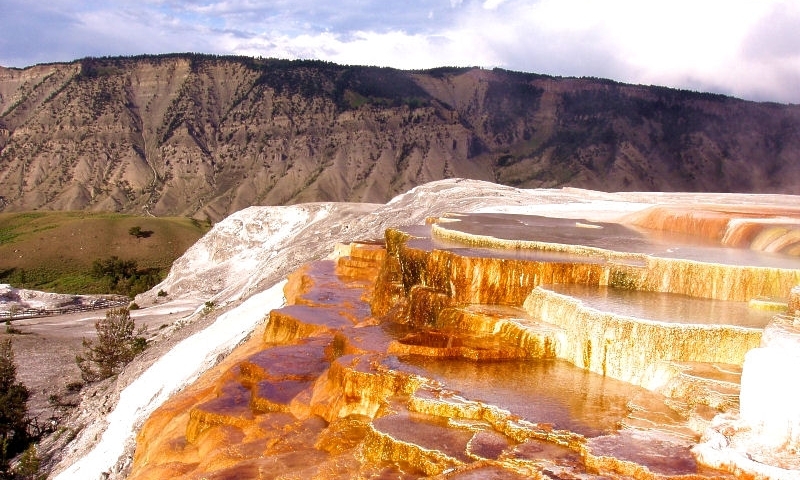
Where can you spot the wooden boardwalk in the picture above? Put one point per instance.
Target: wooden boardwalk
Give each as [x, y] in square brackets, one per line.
[99, 304]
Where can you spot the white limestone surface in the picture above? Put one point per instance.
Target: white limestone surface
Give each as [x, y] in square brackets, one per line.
[729, 445]
[770, 395]
[221, 263]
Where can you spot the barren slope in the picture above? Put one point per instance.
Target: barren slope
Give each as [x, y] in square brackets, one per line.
[206, 136]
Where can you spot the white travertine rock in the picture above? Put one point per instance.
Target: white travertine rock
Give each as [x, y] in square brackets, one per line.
[764, 440]
[794, 302]
[770, 399]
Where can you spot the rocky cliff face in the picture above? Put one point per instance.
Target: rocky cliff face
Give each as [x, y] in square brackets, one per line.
[207, 136]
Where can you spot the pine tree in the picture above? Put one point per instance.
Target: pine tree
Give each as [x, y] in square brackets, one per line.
[13, 408]
[29, 465]
[116, 345]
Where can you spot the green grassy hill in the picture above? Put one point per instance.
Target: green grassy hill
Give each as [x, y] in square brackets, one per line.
[58, 251]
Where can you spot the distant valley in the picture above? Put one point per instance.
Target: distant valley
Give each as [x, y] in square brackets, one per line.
[204, 136]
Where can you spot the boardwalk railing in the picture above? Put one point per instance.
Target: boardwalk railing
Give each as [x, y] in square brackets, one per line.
[99, 304]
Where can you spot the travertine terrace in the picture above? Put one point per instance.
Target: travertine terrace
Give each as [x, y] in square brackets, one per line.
[507, 346]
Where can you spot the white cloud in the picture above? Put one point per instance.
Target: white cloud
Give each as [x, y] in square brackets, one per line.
[684, 43]
[396, 49]
[745, 48]
[492, 4]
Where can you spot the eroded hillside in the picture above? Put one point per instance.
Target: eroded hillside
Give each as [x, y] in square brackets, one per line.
[206, 136]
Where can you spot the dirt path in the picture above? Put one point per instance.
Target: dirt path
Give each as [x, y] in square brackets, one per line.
[45, 350]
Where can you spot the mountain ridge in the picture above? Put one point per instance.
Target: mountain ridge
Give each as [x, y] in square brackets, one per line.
[204, 136]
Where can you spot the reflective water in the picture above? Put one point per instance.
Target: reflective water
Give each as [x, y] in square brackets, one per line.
[425, 241]
[611, 236]
[551, 392]
[321, 394]
[665, 307]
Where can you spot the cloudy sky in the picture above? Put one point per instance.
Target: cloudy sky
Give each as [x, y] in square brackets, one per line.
[746, 48]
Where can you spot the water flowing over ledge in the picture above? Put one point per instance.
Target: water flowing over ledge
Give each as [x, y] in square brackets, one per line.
[440, 356]
[356, 384]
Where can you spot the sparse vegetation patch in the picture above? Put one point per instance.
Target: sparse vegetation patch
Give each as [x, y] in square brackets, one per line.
[123, 277]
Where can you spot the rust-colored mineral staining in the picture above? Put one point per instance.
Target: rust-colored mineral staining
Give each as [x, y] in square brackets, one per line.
[472, 359]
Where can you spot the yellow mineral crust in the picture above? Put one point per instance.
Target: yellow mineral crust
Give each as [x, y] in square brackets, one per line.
[635, 350]
[432, 358]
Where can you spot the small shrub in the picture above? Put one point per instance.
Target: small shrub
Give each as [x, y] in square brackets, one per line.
[208, 307]
[139, 345]
[74, 387]
[116, 345]
[12, 330]
[69, 434]
[29, 465]
[162, 293]
[139, 233]
[133, 306]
